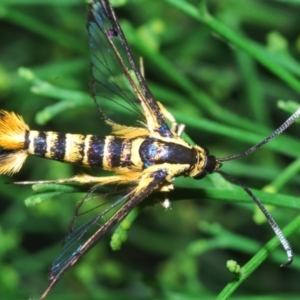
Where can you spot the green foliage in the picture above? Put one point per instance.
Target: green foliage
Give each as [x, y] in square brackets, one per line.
[227, 69]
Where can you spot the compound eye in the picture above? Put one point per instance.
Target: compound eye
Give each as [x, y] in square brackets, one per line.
[200, 175]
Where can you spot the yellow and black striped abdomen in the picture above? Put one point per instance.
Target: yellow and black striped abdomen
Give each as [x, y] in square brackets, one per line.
[105, 152]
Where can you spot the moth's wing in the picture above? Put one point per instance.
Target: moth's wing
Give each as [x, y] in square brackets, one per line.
[80, 240]
[115, 73]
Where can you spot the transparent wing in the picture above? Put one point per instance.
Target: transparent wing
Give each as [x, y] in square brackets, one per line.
[115, 74]
[76, 245]
[87, 209]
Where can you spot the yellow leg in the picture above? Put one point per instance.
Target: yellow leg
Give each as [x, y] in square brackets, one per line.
[87, 179]
[176, 128]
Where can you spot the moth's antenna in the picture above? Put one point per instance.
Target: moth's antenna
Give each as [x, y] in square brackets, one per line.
[278, 131]
[284, 242]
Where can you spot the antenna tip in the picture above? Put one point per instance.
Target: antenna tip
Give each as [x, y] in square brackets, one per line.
[290, 260]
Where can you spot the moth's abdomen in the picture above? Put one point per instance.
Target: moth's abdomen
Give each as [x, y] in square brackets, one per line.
[18, 141]
[105, 152]
[64, 147]
[108, 152]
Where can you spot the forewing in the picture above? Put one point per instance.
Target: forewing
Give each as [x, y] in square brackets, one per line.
[115, 73]
[77, 245]
[90, 214]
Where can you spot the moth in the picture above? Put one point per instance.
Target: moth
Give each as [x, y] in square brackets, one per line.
[145, 159]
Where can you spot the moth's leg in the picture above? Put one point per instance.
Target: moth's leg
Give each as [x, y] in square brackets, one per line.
[87, 179]
[176, 128]
[165, 189]
[167, 186]
[82, 179]
[166, 203]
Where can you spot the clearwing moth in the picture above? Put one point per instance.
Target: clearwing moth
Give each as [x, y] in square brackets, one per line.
[145, 159]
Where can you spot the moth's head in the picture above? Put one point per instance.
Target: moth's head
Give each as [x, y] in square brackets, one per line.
[206, 164]
[210, 167]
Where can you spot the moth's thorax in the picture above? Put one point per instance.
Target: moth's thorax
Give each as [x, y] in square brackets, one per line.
[156, 151]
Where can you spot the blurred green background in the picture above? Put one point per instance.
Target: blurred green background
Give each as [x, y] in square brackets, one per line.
[222, 74]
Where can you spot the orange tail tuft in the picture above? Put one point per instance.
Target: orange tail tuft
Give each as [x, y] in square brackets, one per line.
[11, 161]
[13, 132]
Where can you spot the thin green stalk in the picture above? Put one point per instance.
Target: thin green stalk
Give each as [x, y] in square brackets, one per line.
[257, 260]
[253, 87]
[267, 59]
[284, 177]
[43, 29]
